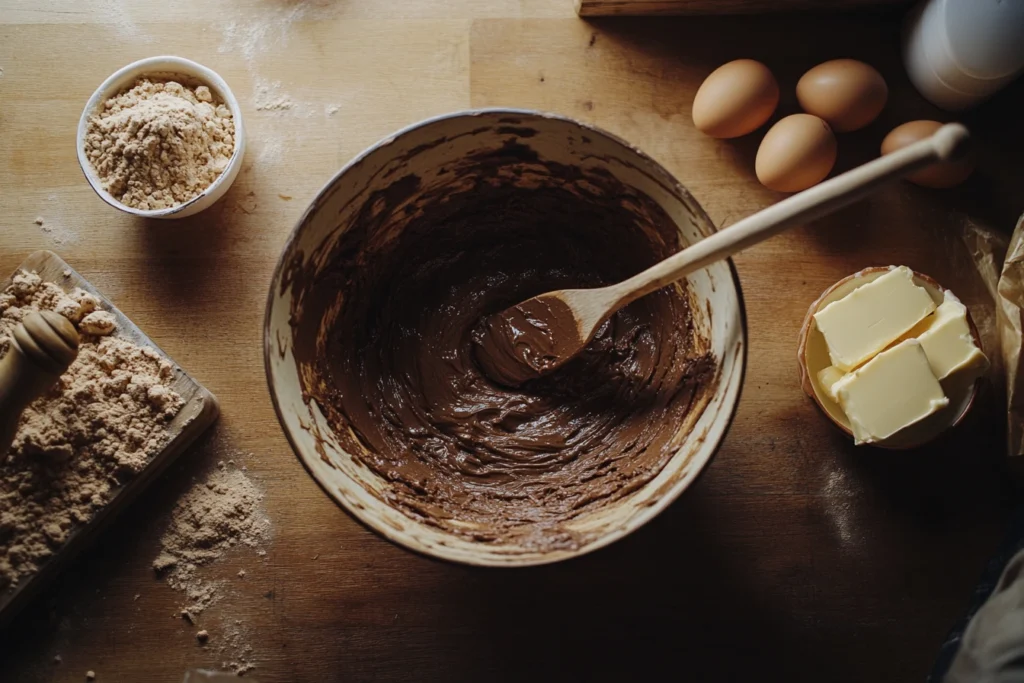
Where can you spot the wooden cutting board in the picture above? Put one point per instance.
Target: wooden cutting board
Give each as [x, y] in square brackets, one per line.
[594, 8]
[199, 411]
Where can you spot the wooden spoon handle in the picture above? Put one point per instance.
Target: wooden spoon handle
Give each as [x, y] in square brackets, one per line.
[948, 143]
[43, 347]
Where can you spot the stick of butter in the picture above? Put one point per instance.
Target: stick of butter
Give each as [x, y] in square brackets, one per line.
[871, 317]
[946, 339]
[890, 392]
[827, 378]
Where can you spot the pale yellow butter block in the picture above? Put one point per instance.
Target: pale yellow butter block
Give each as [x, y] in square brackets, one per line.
[827, 379]
[871, 317]
[890, 392]
[946, 339]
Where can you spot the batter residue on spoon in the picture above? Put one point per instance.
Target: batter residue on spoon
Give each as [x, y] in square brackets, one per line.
[525, 341]
[395, 365]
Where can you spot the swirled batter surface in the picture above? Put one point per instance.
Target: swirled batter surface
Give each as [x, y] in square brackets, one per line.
[500, 464]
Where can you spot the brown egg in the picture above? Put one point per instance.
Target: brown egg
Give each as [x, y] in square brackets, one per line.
[797, 152]
[846, 93]
[735, 99]
[937, 175]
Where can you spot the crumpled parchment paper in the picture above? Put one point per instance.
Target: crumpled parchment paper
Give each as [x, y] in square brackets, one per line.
[1000, 263]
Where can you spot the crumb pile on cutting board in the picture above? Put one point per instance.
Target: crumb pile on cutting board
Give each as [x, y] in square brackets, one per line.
[94, 430]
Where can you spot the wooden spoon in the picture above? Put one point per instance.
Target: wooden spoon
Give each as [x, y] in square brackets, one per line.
[44, 346]
[541, 334]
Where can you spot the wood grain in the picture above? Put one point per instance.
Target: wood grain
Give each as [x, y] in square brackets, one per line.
[197, 413]
[597, 8]
[795, 557]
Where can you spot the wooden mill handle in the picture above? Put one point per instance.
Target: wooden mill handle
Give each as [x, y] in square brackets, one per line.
[948, 143]
[43, 347]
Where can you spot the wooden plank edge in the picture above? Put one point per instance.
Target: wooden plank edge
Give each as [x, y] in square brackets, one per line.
[634, 8]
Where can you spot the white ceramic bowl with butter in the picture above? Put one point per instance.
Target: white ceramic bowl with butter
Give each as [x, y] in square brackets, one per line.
[165, 67]
[813, 357]
[443, 155]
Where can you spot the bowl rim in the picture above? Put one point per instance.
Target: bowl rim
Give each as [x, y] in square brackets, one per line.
[669, 496]
[808, 383]
[161, 64]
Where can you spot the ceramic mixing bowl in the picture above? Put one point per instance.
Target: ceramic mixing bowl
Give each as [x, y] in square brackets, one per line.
[442, 153]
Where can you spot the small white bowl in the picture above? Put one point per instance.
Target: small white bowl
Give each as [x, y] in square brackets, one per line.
[165, 67]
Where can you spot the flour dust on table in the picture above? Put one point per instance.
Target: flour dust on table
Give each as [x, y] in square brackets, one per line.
[219, 512]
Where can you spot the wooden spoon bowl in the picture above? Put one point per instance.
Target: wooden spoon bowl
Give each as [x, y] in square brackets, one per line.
[812, 357]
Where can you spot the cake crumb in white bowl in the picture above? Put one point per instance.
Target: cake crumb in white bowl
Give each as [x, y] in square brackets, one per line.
[162, 137]
[160, 143]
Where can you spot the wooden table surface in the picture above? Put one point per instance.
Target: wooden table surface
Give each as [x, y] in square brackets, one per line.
[795, 557]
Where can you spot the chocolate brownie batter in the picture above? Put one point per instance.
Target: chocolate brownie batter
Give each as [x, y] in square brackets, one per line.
[526, 341]
[395, 374]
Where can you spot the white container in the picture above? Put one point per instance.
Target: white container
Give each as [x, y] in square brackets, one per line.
[959, 52]
[165, 66]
